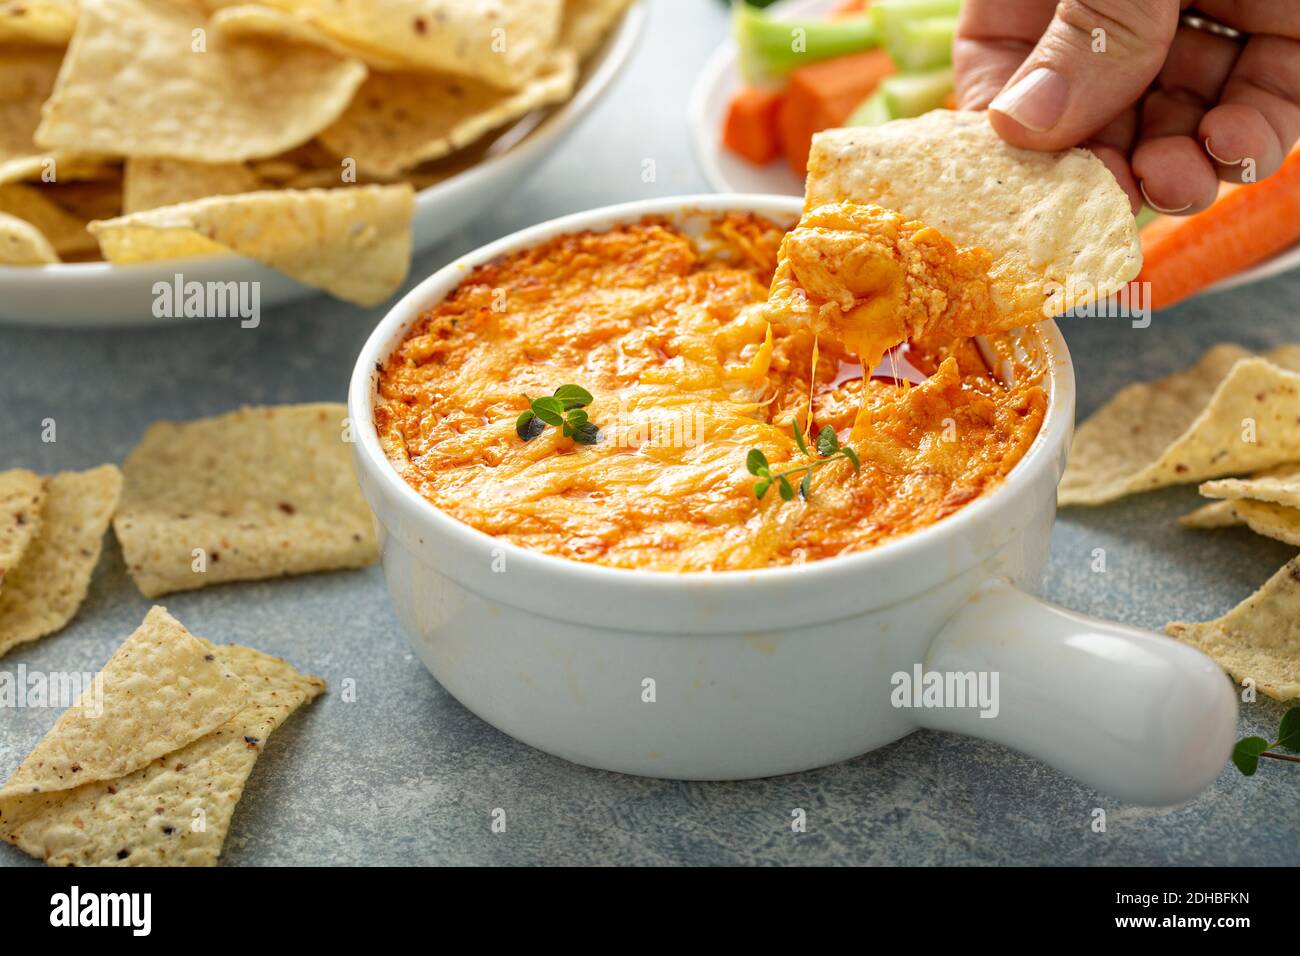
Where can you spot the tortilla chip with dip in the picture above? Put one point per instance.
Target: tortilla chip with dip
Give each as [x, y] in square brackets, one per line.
[1230, 413]
[257, 493]
[1065, 232]
[354, 243]
[44, 590]
[22, 496]
[1259, 638]
[148, 766]
[149, 78]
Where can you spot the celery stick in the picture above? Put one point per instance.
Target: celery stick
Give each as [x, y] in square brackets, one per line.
[911, 94]
[924, 44]
[870, 112]
[771, 48]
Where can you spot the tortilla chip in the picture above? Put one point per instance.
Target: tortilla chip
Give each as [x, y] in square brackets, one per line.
[22, 496]
[1280, 485]
[1269, 519]
[586, 22]
[22, 244]
[150, 183]
[503, 42]
[1217, 514]
[1188, 427]
[1259, 638]
[399, 120]
[264, 492]
[354, 243]
[43, 592]
[65, 232]
[162, 689]
[27, 76]
[253, 21]
[88, 200]
[1065, 233]
[176, 810]
[132, 84]
[37, 21]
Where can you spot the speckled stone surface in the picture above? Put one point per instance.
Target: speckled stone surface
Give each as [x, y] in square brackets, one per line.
[405, 775]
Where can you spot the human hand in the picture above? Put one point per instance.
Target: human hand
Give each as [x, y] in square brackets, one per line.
[1169, 108]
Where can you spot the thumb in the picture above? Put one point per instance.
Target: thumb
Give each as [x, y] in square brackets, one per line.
[1094, 61]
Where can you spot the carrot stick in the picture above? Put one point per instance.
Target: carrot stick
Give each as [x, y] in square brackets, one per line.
[1180, 257]
[749, 129]
[822, 95]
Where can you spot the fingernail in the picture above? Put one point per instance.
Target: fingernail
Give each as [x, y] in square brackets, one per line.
[1036, 101]
[1168, 212]
[1217, 158]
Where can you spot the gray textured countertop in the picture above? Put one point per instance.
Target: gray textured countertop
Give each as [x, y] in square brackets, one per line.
[405, 775]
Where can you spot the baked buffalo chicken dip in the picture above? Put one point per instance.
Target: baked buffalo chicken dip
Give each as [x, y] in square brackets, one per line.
[694, 399]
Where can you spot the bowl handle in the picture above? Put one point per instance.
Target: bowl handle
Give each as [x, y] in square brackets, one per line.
[1142, 717]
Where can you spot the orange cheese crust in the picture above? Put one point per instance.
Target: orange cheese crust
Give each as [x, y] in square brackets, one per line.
[671, 336]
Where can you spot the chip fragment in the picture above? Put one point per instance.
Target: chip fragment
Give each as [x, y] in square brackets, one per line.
[1259, 639]
[1230, 413]
[187, 718]
[43, 592]
[256, 493]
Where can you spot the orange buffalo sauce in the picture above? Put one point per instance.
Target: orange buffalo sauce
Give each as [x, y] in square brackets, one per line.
[689, 368]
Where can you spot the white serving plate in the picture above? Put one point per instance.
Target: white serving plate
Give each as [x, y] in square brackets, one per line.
[98, 294]
[728, 173]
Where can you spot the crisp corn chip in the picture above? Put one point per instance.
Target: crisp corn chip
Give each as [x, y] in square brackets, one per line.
[150, 183]
[22, 244]
[22, 496]
[65, 232]
[1228, 414]
[353, 242]
[43, 592]
[1259, 639]
[260, 492]
[148, 78]
[399, 120]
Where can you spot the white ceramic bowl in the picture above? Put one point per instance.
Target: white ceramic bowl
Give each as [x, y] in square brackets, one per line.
[90, 294]
[778, 670]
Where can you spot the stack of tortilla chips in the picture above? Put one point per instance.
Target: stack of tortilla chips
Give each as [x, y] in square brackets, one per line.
[146, 768]
[1231, 414]
[292, 132]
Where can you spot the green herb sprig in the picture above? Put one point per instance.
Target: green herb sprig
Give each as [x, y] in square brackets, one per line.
[1249, 749]
[564, 410]
[828, 449]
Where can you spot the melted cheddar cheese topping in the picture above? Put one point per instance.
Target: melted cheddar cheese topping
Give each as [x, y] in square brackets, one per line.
[690, 367]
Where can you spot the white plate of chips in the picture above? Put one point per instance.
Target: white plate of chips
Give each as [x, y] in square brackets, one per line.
[237, 213]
